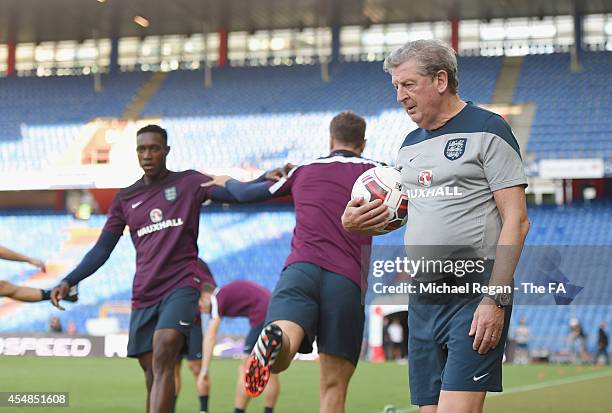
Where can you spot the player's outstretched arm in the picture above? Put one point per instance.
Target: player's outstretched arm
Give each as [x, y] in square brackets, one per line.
[365, 218]
[7, 254]
[208, 345]
[94, 259]
[243, 192]
[20, 293]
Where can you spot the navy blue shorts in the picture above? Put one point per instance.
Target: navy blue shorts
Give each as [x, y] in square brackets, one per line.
[194, 343]
[440, 353]
[325, 304]
[252, 337]
[176, 311]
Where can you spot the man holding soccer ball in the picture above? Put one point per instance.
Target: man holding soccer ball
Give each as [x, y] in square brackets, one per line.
[464, 164]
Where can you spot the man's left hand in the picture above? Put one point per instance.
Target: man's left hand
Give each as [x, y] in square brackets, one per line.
[487, 326]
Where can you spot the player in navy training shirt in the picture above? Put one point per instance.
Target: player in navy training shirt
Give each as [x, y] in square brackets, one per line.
[162, 211]
[318, 295]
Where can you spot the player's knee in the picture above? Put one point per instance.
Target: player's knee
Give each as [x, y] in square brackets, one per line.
[165, 357]
[166, 347]
[332, 384]
[280, 365]
[194, 366]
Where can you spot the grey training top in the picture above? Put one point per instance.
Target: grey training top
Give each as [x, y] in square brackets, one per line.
[450, 175]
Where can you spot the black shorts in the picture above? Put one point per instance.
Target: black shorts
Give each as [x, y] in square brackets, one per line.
[176, 311]
[325, 304]
[252, 337]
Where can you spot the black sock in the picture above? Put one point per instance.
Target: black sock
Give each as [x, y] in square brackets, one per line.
[268, 409]
[46, 295]
[173, 404]
[204, 403]
[237, 410]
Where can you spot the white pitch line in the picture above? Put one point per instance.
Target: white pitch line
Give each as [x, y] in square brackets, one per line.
[537, 386]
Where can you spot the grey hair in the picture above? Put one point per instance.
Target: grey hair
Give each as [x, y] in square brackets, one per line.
[431, 55]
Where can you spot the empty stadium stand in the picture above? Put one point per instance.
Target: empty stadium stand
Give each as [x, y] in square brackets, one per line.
[263, 116]
[572, 108]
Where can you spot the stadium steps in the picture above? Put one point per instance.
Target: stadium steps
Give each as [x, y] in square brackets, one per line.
[506, 81]
[521, 126]
[141, 98]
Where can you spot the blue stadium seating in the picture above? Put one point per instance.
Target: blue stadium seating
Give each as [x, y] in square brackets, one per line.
[263, 116]
[232, 241]
[361, 87]
[572, 114]
[42, 116]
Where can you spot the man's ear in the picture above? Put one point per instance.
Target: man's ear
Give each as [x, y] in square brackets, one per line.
[441, 80]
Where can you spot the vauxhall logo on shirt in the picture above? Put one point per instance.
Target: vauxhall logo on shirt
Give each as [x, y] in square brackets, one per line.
[425, 179]
[157, 217]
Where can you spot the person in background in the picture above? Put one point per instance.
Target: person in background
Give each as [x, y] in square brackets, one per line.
[602, 344]
[521, 337]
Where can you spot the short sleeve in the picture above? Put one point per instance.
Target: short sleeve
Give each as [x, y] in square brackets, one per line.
[202, 193]
[214, 306]
[503, 166]
[283, 186]
[116, 219]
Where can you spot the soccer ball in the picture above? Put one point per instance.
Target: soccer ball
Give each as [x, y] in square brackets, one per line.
[384, 182]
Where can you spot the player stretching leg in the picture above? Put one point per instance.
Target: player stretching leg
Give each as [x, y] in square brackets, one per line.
[319, 291]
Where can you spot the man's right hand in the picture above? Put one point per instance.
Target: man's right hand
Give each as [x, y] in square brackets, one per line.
[365, 218]
[58, 293]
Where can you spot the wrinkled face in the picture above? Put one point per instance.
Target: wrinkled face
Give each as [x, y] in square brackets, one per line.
[152, 152]
[421, 96]
[204, 303]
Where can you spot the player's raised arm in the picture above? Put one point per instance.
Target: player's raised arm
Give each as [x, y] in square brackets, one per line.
[7, 254]
[93, 260]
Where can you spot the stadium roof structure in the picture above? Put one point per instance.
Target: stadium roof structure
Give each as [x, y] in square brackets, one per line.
[56, 20]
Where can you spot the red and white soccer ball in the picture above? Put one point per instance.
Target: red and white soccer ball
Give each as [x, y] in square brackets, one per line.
[385, 183]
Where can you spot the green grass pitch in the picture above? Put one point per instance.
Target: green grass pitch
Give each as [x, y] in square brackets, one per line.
[117, 385]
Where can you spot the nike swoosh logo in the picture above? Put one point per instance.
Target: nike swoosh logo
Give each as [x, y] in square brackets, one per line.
[184, 323]
[136, 205]
[479, 377]
[413, 158]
